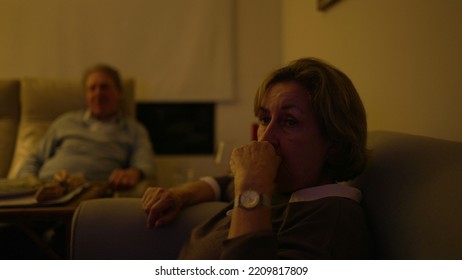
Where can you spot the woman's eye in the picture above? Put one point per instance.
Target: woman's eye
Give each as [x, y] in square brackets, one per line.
[264, 120]
[291, 122]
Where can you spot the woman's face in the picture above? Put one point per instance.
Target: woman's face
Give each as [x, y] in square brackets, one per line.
[102, 95]
[287, 121]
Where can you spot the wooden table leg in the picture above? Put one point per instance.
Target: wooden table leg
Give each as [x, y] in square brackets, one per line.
[38, 240]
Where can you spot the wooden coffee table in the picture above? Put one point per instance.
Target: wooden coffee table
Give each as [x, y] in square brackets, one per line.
[23, 216]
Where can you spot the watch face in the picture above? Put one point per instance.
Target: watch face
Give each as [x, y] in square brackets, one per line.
[249, 199]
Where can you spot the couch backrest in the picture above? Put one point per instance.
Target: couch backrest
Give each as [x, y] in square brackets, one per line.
[412, 191]
[42, 101]
[9, 119]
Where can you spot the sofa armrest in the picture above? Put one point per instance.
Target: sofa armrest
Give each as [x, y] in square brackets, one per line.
[412, 196]
[136, 192]
[115, 228]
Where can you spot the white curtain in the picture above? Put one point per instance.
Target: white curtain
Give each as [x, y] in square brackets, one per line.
[177, 50]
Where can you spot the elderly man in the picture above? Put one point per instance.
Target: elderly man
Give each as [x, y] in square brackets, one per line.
[98, 142]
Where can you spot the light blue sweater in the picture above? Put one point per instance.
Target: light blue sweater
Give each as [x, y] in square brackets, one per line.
[78, 143]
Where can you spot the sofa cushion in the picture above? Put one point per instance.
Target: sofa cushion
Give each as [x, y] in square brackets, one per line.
[412, 191]
[42, 101]
[9, 118]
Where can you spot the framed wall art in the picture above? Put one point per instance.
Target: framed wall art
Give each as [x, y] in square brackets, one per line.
[323, 5]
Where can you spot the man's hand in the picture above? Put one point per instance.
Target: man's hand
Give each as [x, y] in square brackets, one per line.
[121, 179]
[61, 176]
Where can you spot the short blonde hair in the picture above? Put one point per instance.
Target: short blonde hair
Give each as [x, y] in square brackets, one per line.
[337, 106]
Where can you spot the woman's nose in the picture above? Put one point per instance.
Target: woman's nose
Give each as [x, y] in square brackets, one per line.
[269, 133]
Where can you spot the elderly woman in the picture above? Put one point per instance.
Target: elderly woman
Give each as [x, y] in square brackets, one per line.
[288, 202]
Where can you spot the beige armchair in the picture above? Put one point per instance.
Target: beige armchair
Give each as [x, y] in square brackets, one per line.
[29, 106]
[9, 122]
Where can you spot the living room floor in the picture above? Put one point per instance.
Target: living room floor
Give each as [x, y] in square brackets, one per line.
[15, 244]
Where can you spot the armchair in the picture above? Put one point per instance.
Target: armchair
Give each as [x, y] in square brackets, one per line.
[412, 196]
[28, 107]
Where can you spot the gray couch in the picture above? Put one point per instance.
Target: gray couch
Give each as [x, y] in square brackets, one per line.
[412, 192]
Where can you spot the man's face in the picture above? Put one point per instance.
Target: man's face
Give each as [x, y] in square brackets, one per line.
[102, 95]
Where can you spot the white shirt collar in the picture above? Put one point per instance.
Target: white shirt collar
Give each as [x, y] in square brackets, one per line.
[87, 117]
[330, 190]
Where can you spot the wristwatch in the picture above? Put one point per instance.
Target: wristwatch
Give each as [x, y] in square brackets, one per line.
[250, 199]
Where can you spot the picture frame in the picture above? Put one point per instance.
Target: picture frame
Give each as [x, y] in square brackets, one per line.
[324, 5]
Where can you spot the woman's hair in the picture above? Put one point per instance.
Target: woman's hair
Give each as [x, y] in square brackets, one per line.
[111, 71]
[337, 107]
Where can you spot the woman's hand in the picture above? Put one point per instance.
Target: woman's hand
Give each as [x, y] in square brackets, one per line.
[161, 206]
[255, 165]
